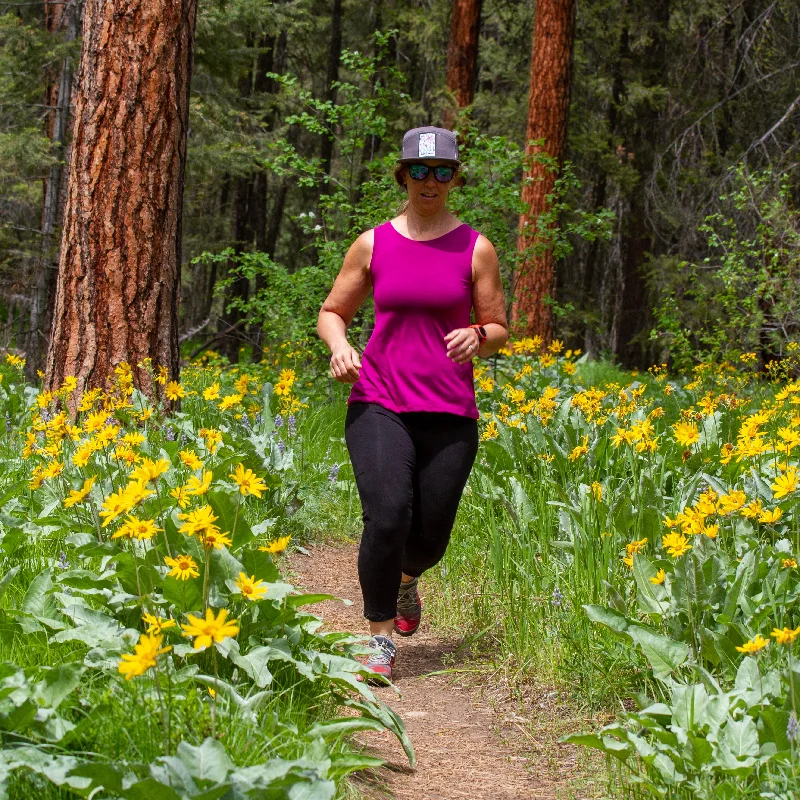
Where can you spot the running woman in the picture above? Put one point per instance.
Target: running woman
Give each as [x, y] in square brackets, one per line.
[411, 427]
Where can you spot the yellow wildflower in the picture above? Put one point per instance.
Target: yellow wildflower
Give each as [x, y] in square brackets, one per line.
[182, 567]
[210, 629]
[157, 624]
[785, 635]
[754, 645]
[277, 546]
[77, 495]
[247, 481]
[174, 391]
[143, 657]
[190, 459]
[686, 433]
[198, 486]
[658, 578]
[250, 588]
[768, 517]
[676, 544]
[230, 401]
[785, 484]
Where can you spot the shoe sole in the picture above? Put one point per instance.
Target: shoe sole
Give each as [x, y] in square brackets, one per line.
[400, 632]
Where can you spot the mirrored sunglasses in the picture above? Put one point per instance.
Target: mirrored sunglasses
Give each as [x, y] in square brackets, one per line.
[420, 171]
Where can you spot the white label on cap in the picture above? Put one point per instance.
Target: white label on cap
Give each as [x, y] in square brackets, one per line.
[427, 145]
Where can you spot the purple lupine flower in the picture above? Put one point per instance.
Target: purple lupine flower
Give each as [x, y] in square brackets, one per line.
[169, 434]
[281, 446]
[557, 597]
[62, 561]
[292, 425]
[792, 727]
[246, 421]
[333, 475]
[278, 422]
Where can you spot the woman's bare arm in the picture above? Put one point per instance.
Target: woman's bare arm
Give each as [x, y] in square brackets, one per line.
[489, 303]
[350, 289]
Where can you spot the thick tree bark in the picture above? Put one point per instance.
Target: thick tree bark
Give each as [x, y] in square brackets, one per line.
[462, 53]
[61, 19]
[119, 277]
[548, 105]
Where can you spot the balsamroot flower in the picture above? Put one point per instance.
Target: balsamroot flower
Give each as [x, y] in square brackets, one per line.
[77, 495]
[754, 645]
[278, 546]
[250, 588]
[247, 481]
[144, 656]
[182, 567]
[210, 629]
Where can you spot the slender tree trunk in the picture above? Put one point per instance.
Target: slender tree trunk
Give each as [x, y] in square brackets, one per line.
[548, 104]
[334, 56]
[118, 282]
[462, 54]
[61, 19]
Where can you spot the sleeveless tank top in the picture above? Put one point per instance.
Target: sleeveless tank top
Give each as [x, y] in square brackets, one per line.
[422, 291]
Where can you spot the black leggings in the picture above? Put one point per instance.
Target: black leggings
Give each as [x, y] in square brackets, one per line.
[410, 470]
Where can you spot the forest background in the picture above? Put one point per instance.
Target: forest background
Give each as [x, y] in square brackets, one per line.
[678, 231]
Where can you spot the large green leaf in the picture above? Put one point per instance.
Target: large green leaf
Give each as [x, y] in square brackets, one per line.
[343, 725]
[57, 683]
[231, 522]
[206, 762]
[665, 655]
[260, 564]
[652, 598]
[39, 601]
[605, 616]
[184, 595]
[688, 705]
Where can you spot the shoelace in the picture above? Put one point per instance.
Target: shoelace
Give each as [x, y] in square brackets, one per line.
[407, 598]
[384, 655]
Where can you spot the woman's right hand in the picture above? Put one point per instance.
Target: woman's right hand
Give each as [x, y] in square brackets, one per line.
[345, 364]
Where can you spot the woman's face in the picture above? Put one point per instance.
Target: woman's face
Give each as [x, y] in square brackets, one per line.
[428, 196]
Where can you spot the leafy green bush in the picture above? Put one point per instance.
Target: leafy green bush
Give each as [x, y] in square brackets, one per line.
[744, 296]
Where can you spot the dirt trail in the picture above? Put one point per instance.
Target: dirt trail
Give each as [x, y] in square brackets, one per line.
[462, 745]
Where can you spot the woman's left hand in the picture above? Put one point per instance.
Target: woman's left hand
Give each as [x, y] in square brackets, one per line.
[462, 345]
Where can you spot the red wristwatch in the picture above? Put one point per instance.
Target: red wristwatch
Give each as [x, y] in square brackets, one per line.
[481, 331]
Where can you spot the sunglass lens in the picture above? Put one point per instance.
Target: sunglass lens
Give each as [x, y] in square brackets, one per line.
[443, 174]
[418, 171]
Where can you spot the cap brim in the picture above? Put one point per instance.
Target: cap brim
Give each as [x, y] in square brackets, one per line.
[418, 160]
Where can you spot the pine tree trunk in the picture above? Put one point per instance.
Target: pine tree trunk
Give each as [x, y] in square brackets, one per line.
[119, 277]
[462, 53]
[61, 19]
[548, 106]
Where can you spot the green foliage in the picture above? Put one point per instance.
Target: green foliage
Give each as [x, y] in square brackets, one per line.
[253, 712]
[744, 296]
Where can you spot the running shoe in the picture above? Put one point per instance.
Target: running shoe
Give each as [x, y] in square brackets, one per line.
[381, 662]
[409, 609]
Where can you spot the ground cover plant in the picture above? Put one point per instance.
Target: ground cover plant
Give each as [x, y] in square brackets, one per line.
[148, 643]
[632, 536]
[641, 535]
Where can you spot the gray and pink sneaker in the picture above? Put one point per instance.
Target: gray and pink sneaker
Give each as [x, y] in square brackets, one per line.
[381, 662]
[409, 609]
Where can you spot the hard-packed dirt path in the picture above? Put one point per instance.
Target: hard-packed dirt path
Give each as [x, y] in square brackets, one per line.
[465, 748]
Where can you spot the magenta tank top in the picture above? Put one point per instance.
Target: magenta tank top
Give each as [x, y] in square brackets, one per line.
[422, 290]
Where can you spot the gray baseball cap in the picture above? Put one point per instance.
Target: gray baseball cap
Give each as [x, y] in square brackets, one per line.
[420, 143]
